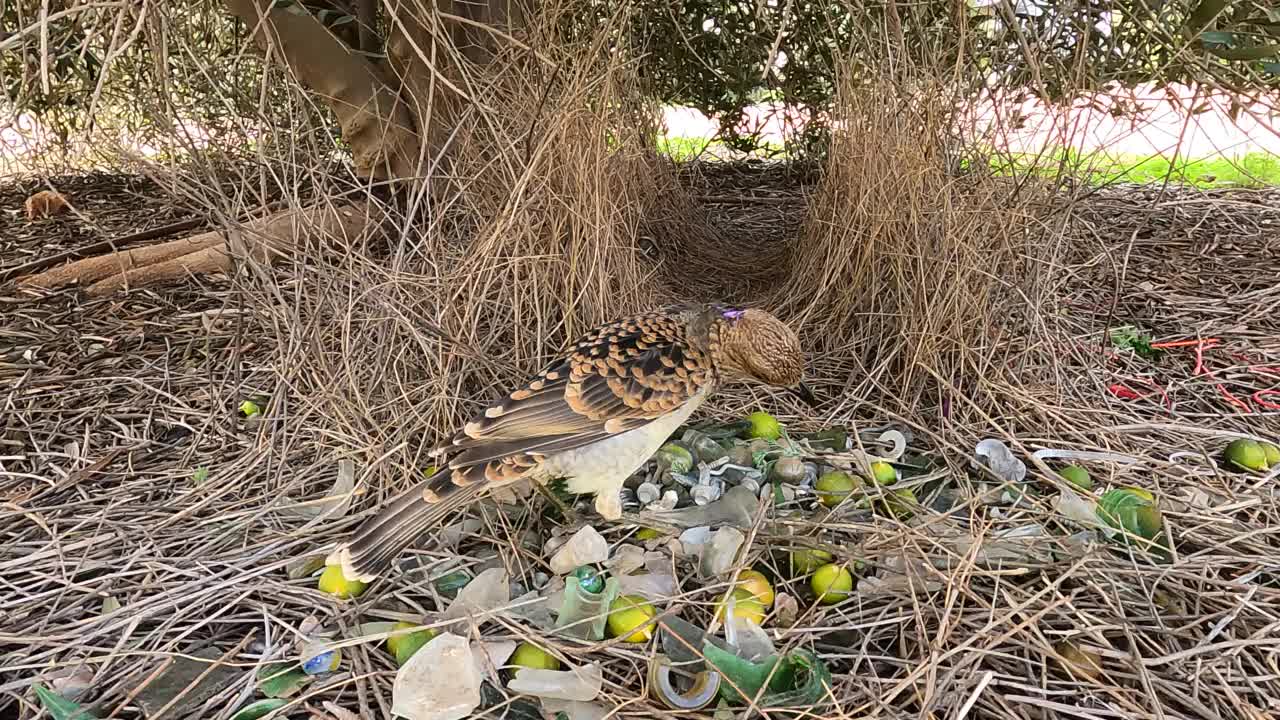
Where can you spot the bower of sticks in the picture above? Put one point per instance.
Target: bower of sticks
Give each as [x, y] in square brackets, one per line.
[147, 518]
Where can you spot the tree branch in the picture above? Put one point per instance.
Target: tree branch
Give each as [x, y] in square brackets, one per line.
[375, 121]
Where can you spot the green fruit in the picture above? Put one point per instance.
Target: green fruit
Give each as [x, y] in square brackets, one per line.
[831, 583]
[805, 560]
[1133, 510]
[764, 425]
[884, 473]
[1272, 451]
[676, 458]
[404, 646]
[1077, 476]
[834, 487]
[333, 582]
[531, 656]
[628, 616]
[901, 503]
[1247, 454]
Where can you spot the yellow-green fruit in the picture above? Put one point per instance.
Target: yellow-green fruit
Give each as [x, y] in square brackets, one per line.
[1272, 451]
[745, 606]
[531, 656]
[647, 534]
[831, 583]
[805, 561]
[764, 425]
[754, 582]
[403, 646]
[1247, 454]
[901, 502]
[627, 615]
[1078, 661]
[1133, 510]
[884, 473]
[834, 487]
[1077, 476]
[332, 582]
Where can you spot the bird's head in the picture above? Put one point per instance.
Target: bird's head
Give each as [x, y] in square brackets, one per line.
[755, 345]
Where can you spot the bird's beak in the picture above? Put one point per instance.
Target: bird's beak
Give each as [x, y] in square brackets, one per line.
[805, 395]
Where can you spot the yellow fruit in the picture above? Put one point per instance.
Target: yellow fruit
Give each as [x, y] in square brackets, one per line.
[332, 582]
[532, 656]
[831, 583]
[805, 561]
[627, 615]
[834, 487]
[884, 473]
[403, 646]
[754, 582]
[647, 534]
[1247, 454]
[764, 425]
[1077, 476]
[745, 606]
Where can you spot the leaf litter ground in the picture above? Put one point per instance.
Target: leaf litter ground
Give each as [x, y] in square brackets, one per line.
[147, 522]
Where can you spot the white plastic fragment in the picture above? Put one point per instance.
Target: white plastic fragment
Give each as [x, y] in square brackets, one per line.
[718, 555]
[627, 558]
[575, 709]
[422, 692]
[582, 683]
[1000, 460]
[585, 547]
[657, 586]
[489, 591]
[1084, 455]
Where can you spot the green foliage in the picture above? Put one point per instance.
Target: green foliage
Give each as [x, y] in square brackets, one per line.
[193, 63]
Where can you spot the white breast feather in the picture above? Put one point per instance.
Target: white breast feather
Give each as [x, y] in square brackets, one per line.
[602, 467]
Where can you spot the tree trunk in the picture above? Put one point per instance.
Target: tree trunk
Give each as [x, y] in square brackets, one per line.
[396, 116]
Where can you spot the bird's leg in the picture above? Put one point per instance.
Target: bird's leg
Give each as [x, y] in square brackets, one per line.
[570, 516]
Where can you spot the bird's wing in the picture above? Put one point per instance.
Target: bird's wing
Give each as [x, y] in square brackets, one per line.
[619, 377]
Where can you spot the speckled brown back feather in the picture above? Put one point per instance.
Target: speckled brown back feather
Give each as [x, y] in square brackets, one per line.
[616, 378]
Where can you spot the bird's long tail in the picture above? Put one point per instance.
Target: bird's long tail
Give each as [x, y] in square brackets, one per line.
[378, 542]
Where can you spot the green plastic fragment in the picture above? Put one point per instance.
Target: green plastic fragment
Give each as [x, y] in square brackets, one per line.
[280, 680]
[259, 709]
[801, 679]
[61, 708]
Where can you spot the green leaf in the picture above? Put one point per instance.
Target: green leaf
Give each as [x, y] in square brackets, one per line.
[1254, 52]
[253, 711]
[1215, 36]
[200, 475]
[61, 708]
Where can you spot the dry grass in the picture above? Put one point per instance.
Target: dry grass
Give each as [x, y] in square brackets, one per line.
[955, 307]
